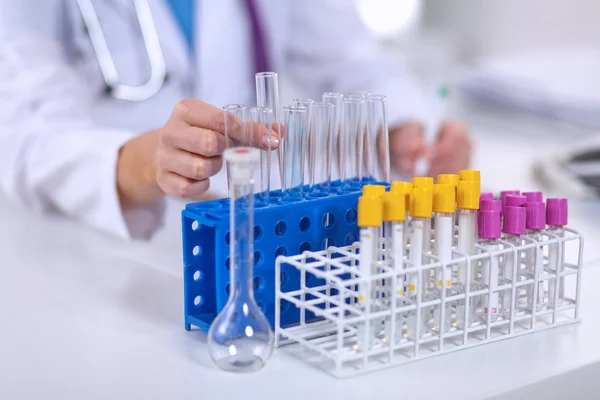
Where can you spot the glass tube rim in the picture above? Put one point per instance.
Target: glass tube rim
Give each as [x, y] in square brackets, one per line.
[377, 98]
[266, 74]
[234, 107]
[259, 109]
[305, 100]
[295, 108]
[323, 104]
[354, 100]
[333, 95]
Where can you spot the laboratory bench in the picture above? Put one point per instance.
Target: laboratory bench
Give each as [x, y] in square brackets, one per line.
[86, 315]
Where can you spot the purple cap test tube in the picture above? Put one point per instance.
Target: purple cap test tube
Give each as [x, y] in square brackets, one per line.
[492, 204]
[505, 193]
[488, 224]
[534, 197]
[556, 212]
[514, 220]
[536, 215]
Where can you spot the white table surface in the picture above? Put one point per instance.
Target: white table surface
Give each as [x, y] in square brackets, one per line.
[86, 316]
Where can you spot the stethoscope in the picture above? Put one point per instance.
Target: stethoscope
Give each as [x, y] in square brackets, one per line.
[158, 70]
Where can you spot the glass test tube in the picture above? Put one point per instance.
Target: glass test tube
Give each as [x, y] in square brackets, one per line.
[267, 95]
[308, 137]
[234, 118]
[296, 126]
[421, 211]
[337, 101]
[240, 339]
[370, 215]
[321, 141]
[513, 227]
[468, 203]
[444, 204]
[353, 137]
[535, 223]
[261, 116]
[378, 148]
[556, 219]
[393, 227]
[488, 225]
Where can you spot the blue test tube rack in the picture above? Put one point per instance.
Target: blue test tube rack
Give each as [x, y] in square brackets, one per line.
[280, 228]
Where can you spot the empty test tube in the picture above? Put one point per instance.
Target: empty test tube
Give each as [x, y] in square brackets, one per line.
[261, 116]
[354, 122]
[234, 118]
[370, 216]
[337, 101]
[296, 125]
[378, 146]
[308, 137]
[320, 149]
[424, 182]
[267, 95]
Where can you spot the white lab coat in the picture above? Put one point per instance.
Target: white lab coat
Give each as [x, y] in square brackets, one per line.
[60, 135]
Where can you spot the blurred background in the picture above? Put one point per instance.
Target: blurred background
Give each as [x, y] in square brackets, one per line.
[521, 74]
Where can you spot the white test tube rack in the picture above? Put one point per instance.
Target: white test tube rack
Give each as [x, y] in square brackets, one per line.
[329, 341]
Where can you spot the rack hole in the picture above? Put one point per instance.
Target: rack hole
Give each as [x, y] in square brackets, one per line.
[283, 278]
[227, 237]
[257, 232]
[281, 251]
[350, 238]
[257, 257]
[195, 225]
[305, 247]
[328, 220]
[351, 216]
[328, 242]
[280, 228]
[198, 300]
[227, 289]
[227, 263]
[197, 250]
[197, 275]
[304, 224]
[258, 283]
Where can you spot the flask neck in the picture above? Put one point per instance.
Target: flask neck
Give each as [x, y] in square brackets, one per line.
[242, 239]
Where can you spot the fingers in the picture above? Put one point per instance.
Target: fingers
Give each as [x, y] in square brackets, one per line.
[180, 186]
[406, 146]
[452, 151]
[189, 165]
[197, 113]
[204, 142]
